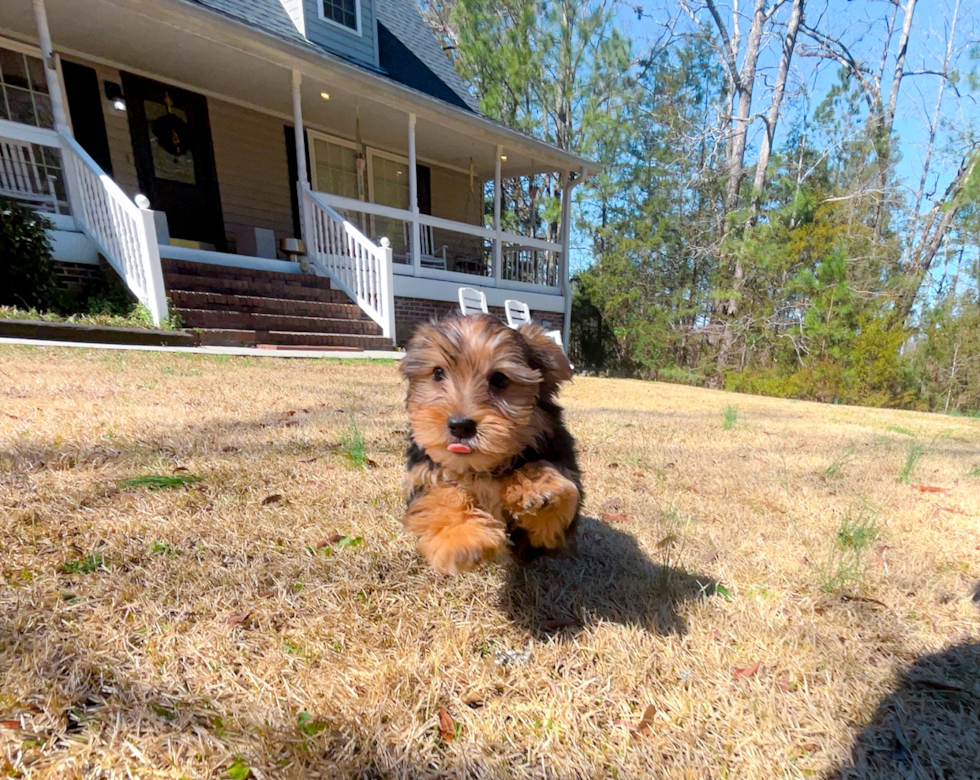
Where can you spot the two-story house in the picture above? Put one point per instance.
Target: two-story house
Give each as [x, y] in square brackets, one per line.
[182, 140]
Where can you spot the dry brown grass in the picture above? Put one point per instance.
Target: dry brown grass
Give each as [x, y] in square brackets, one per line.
[200, 630]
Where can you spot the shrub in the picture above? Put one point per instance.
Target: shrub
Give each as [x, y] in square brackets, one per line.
[27, 272]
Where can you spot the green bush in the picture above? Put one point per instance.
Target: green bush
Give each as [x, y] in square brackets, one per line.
[27, 272]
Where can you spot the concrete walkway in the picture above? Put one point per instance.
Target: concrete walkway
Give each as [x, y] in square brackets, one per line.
[241, 351]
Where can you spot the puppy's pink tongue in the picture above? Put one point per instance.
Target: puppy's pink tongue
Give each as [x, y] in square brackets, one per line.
[459, 447]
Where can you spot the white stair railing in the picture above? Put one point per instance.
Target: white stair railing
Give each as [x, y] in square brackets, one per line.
[358, 266]
[124, 233]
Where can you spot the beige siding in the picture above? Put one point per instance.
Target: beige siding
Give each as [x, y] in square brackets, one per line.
[452, 197]
[253, 174]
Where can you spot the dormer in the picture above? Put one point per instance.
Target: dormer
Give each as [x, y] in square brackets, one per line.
[343, 27]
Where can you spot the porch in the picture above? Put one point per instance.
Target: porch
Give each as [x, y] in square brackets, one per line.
[398, 196]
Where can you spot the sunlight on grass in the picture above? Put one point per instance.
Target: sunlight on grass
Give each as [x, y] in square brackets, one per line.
[756, 589]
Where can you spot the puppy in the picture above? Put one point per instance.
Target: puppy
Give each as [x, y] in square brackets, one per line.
[490, 464]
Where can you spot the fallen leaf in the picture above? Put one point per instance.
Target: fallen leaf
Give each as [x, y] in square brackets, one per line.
[236, 620]
[642, 728]
[292, 423]
[371, 464]
[307, 460]
[745, 671]
[334, 538]
[638, 474]
[180, 468]
[613, 503]
[930, 489]
[784, 684]
[266, 594]
[447, 727]
[10, 724]
[229, 448]
[614, 465]
[716, 635]
[275, 498]
[613, 517]
[810, 747]
[710, 557]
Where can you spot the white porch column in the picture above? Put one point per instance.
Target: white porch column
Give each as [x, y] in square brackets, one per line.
[51, 68]
[415, 235]
[565, 266]
[498, 247]
[302, 176]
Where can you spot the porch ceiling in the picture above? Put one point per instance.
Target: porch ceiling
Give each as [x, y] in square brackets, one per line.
[198, 53]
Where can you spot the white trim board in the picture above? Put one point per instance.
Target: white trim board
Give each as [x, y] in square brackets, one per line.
[437, 290]
[238, 351]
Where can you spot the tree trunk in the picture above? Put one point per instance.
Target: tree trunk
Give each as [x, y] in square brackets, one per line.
[789, 44]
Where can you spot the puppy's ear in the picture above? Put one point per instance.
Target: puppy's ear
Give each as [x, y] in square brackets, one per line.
[422, 349]
[546, 356]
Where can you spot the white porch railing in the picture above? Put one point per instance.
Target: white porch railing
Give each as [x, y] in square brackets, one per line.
[529, 264]
[361, 268]
[124, 234]
[30, 165]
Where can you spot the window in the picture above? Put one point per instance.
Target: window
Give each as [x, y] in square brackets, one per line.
[390, 179]
[342, 12]
[24, 90]
[390, 187]
[335, 168]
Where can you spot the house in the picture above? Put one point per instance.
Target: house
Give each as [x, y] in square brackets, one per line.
[162, 136]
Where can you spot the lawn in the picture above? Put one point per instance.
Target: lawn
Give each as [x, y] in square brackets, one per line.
[203, 576]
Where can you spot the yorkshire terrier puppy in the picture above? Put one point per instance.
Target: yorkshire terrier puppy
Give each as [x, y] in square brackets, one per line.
[490, 464]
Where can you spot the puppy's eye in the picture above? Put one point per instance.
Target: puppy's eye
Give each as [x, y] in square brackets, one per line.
[438, 374]
[499, 381]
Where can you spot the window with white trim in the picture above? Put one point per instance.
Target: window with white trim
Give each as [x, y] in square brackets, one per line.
[343, 12]
[335, 168]
[24, 90]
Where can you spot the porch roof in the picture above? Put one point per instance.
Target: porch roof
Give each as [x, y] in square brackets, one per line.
[188, 44]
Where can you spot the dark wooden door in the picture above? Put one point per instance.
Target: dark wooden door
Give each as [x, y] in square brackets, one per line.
[174, 158]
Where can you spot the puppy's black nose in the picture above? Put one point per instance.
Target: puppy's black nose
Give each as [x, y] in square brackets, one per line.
[462, 427]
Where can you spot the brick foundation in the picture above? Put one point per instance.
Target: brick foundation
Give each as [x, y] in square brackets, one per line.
[71, 275]
[410, 312]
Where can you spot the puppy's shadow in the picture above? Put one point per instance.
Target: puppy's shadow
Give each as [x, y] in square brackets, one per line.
[605, 577]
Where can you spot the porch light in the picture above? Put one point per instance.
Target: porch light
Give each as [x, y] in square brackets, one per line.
[114, 93]
[325, 95]
[503, 158]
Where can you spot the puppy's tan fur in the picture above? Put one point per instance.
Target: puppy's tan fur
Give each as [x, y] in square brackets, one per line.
[520, 483]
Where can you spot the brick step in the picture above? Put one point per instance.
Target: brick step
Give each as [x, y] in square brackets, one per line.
[232, 337]
[233, 320]
[292, 290]
[212, 271]
[257, 304]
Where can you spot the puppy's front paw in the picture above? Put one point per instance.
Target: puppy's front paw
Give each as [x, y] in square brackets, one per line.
[462, 547]
[543, 502]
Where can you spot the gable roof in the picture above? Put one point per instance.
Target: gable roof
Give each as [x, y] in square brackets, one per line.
[402, 18]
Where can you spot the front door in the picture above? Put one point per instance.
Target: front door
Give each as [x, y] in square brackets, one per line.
[174, 158]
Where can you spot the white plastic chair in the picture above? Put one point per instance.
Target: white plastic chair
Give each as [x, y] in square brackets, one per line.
[517, 313]
[472, 301]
